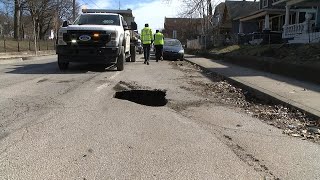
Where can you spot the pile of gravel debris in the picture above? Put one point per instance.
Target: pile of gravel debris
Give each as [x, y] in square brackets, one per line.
[292, 121]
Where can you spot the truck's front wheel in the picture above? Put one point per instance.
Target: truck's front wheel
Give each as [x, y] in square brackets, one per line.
[133, 53]
[121, 59]
[62, 65]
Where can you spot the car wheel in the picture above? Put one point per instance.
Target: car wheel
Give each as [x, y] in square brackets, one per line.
[62, 65]
[133, 53]
[121, 59]
[128, 59]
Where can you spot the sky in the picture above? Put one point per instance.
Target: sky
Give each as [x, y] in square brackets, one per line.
[152, 12]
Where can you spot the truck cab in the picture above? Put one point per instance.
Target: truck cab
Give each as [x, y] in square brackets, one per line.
[96, 38]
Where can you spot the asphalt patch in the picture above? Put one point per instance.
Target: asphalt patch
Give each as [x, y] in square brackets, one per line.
[153, 98]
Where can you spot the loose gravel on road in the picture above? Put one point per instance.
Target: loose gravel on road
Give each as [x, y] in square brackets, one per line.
[292, 121]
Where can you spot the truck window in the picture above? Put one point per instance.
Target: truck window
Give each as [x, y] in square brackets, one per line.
[98, 19]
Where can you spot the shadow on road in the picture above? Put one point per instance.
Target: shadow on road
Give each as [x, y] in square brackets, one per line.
[52, 68]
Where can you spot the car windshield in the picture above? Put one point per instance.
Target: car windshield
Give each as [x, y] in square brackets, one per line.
[172, 43]
[98, 19]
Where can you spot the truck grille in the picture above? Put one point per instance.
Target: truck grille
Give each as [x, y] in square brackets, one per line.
[78, 35]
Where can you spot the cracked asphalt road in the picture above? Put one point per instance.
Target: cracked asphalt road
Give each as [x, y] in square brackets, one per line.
[57, 125]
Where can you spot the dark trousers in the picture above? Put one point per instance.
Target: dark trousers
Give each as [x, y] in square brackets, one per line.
[146, 51]
[159, 51]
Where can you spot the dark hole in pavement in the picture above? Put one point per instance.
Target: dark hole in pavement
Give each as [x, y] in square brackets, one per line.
[144, 97]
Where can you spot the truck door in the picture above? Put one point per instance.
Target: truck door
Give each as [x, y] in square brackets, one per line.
[126, 36]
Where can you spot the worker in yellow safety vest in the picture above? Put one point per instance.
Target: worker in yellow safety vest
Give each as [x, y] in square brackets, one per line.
[147, 39]
[158, 44]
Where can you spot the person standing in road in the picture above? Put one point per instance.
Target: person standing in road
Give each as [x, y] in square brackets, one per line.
[147, 39]
[158, 44]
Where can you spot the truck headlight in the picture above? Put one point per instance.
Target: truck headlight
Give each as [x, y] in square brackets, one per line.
[113, 39]
[113, 36]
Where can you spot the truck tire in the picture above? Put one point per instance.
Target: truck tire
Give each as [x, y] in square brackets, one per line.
[121, 59]
[62, 65]
[128, 59]
[133, 53]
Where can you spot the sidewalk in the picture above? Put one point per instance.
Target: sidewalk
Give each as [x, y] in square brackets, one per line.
[302, 95]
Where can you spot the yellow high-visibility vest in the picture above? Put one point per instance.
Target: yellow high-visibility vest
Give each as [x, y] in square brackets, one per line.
[146, 35]
[158, 39]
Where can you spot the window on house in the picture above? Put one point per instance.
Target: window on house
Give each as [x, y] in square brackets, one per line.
[302, 17]
[313, 16]
[264, 3]
[293, 18]
[275, 24]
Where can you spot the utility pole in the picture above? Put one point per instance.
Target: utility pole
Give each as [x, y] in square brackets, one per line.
[119, 5]
[73, 10]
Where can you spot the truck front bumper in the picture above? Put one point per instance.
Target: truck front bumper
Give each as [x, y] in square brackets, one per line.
[92, 55]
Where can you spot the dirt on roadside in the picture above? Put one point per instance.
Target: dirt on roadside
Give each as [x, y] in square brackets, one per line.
[291, 53]
[292, 121]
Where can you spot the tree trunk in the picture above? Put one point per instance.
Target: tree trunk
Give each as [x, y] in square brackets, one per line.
[16, 19]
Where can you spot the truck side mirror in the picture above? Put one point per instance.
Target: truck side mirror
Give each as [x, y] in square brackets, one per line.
[65, 24]
[134, 26]
[125, 27]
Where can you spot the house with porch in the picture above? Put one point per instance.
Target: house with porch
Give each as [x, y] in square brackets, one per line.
[225, 26]
[302, 20]
[270, 19]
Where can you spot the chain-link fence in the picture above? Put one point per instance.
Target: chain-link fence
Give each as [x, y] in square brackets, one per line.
[12, 45]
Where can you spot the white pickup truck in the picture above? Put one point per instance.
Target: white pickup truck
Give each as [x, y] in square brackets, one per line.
[97, 37]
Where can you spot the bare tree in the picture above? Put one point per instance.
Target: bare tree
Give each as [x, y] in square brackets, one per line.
[23, 16]
[6, 18]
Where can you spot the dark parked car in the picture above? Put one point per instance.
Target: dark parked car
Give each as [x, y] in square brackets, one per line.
[173, 49]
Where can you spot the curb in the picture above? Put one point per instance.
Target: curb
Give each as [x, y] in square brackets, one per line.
[38, 57]
[264, 94]
[19, 59]
[11, 60]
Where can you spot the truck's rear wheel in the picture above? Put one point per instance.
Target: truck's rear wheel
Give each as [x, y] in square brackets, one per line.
[128, 59]
[62, 65]
[121, 59]
[133, 53]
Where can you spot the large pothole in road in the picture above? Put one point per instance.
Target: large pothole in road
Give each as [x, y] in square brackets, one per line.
[144, 97]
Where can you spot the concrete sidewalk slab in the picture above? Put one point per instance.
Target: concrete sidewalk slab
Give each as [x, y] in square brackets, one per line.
[14, 59]
[11, 60]
[39, 57]
[302, 95]
[24, 55]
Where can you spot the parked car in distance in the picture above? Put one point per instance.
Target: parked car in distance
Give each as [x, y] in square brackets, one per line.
[139, 47]
[173, 49]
